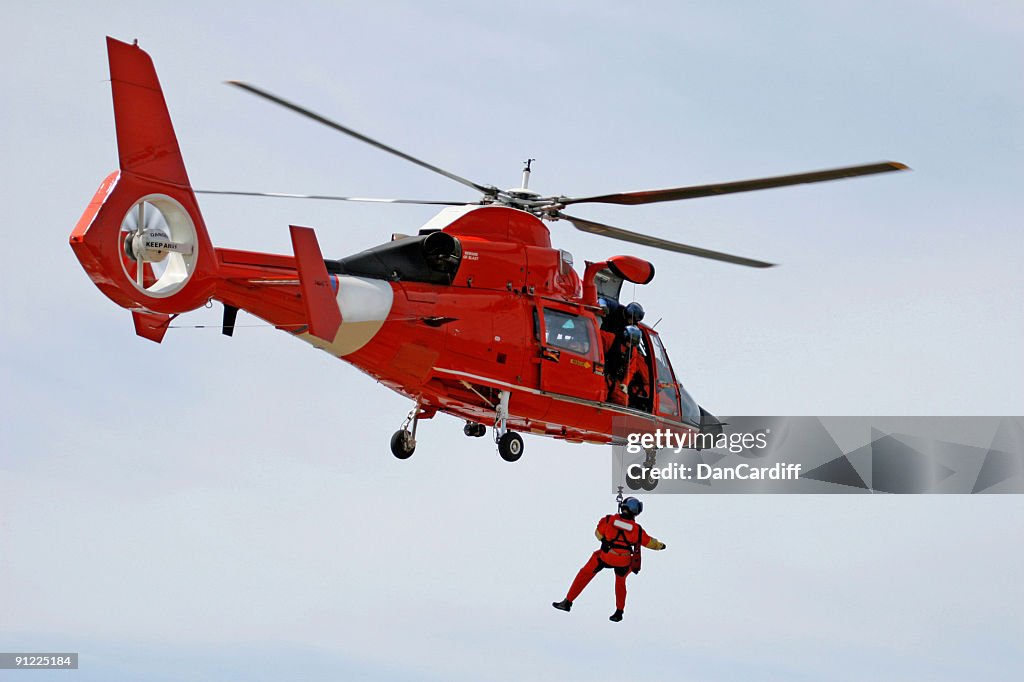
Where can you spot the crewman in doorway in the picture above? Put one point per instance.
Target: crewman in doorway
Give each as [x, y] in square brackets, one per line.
[621, 539]
[629, 379]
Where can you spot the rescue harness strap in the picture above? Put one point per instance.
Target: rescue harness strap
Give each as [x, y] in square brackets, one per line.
[620, 541]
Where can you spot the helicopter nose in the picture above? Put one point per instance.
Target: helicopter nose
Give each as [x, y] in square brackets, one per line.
[709, 423]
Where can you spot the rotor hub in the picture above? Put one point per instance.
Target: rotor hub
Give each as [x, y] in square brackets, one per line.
[151, 246]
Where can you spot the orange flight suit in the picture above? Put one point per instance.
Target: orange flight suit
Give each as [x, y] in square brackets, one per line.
[619, 537]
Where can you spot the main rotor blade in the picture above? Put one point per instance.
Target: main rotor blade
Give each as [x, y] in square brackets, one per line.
[283, 195]
[658, 243]
[359, 136]
[697, 191]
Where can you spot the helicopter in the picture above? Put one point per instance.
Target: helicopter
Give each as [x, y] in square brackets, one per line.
[476, 315]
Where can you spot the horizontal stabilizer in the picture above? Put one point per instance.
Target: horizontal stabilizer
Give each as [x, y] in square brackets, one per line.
[318, 296]
[151, 326]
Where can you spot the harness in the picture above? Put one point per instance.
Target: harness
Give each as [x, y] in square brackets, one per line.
[620, 541]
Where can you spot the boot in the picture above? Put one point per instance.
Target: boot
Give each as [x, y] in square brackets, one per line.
[616, 617]
[564, 605]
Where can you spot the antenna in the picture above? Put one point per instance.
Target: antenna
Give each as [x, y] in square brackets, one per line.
[526, 173]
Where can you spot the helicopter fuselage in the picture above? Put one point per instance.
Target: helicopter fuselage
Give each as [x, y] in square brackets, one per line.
[452, 322]
[477, 315]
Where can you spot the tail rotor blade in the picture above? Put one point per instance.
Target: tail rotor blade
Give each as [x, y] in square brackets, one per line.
[140, 265]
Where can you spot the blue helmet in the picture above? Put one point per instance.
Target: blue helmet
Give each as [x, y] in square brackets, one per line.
[632, 335]
[631, 507]
[634, 313]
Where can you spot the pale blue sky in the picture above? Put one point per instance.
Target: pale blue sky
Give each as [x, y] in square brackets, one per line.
[215, 541]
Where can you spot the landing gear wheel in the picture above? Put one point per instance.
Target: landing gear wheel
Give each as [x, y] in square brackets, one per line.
[403, 444]
[633, 483]
[510, 446]
[648, 482]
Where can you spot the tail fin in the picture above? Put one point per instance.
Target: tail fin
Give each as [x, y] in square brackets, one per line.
[318, 296]
[142, 239]
[146, 143]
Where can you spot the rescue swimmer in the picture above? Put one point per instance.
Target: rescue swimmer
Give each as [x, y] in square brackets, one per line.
[621, 539]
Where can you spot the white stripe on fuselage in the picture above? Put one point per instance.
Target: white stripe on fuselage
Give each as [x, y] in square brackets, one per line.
[365, 305]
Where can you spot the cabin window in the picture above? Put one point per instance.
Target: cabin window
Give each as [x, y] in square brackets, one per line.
[609, 285]
[567, 331]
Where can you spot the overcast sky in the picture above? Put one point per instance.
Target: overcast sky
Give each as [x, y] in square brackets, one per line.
[223, 509]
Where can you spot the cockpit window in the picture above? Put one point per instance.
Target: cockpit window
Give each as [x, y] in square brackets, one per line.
[669, 390]
[691, 410]
[567, 331]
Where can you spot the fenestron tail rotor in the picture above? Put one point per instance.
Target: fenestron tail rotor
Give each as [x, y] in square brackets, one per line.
[550, 207]
[158, 245]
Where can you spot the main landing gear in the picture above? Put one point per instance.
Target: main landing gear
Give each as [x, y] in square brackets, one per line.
[510, 443]
[510, 446]
[403, 444]
[403, 441]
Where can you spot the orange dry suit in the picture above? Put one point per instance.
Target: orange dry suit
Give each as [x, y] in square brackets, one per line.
[633, 381]
[620, 539]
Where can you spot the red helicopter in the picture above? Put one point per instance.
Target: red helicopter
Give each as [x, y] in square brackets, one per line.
[476, 316]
